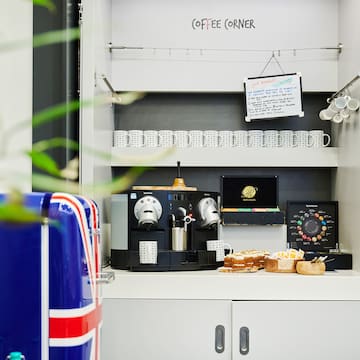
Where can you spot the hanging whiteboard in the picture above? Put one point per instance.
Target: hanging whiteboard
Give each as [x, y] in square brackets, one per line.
[273, 96]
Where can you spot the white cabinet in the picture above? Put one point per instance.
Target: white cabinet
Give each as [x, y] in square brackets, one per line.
[164, 329]
[296, 330]
[135, 329]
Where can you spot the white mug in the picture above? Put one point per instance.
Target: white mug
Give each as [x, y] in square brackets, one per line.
[136, 138]
[256, 138]
[181, 138]
[353, 104]
[196, 138]
[303, 139]
[240, 138]
[218, 246]
[226, 138]
[271, 138]
[151, 138]
[148, 252]
[121, 138]
[321, 139]
[166, 138]
[287, 138]
[211, 138]
[338, 103]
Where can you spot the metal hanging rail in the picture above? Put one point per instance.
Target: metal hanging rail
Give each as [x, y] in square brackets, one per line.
[343, 88]
[112, 47]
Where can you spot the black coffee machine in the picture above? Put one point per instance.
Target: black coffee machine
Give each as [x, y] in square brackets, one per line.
[167, 229]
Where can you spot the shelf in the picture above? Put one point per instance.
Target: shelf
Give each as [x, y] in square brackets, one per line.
[225, 157]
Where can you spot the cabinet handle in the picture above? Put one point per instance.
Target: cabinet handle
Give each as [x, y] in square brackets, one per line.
[244, 340]
[219, 339]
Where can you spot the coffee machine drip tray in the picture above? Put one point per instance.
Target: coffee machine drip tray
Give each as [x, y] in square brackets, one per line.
[166, 260]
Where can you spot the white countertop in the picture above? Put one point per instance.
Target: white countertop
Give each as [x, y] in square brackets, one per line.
[212, 284]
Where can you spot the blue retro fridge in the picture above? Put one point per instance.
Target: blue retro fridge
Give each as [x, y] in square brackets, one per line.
[50, 301]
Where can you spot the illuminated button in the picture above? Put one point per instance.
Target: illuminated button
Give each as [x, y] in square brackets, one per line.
[308, 238]
[322, 233]
[298, 228]
[299, 222]
[316, 215]
[314, 238]
[323, 222]
[304, 236]
[321, 218]
[324, 228]
[319, 237]
[301, 233]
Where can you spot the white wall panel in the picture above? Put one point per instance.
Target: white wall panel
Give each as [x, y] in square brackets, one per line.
[15, 94]
[189, 45]
[348, 174]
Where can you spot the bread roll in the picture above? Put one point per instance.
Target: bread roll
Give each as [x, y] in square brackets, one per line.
[310, 268]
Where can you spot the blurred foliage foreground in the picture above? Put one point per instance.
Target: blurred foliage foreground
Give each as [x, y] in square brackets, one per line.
[52, 178]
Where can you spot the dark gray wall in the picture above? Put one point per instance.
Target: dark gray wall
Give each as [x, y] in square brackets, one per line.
[55, 75]
[211, 111]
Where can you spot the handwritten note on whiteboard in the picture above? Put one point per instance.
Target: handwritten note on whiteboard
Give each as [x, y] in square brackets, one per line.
[273, 96]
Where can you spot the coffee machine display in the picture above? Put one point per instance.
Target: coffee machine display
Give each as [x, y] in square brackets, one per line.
[172, 226]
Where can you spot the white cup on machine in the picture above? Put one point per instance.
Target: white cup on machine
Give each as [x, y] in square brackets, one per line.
[136, 138]
[226, 138]
[303, 139]
[148, 252]
[320, 138]
[181, 138]
[151, 138]
[241, 138]
[287, 138]
[256, 138]
[121, 138]
[166, 138]
[211, 138]
[218, 246]
[196, 138]
[271, 138]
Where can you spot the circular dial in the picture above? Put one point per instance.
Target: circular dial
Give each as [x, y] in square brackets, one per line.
[311, 227]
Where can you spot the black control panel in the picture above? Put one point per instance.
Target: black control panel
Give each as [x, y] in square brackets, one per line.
[312, 225]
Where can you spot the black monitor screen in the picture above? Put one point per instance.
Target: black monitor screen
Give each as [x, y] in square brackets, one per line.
[249, 192]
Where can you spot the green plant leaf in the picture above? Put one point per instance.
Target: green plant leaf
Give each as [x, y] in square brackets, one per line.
[45, 3]
[17, 213]
[44, 145]
[44, 162]
[47, 38]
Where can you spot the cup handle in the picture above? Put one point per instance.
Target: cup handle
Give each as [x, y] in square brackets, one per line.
[310, 141]
[229, 247]
[328, 139]
[295, 140]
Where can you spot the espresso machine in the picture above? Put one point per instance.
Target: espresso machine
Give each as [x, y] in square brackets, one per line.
[164, 228]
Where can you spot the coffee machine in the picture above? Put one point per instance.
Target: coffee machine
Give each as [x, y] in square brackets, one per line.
[164, 228]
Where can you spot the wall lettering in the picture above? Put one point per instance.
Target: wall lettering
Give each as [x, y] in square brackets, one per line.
[206, 24]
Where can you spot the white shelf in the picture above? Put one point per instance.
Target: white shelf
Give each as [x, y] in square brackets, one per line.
[212, 284]
[226, 157]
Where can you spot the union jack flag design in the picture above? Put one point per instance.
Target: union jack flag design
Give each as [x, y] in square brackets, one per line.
[68, 326]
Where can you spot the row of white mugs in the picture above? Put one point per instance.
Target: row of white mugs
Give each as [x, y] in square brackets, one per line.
[222, 138]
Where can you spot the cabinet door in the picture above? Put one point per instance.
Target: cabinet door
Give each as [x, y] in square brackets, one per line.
[165, 329]
[296, 330]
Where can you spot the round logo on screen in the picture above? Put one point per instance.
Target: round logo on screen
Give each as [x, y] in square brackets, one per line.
[249, 192]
